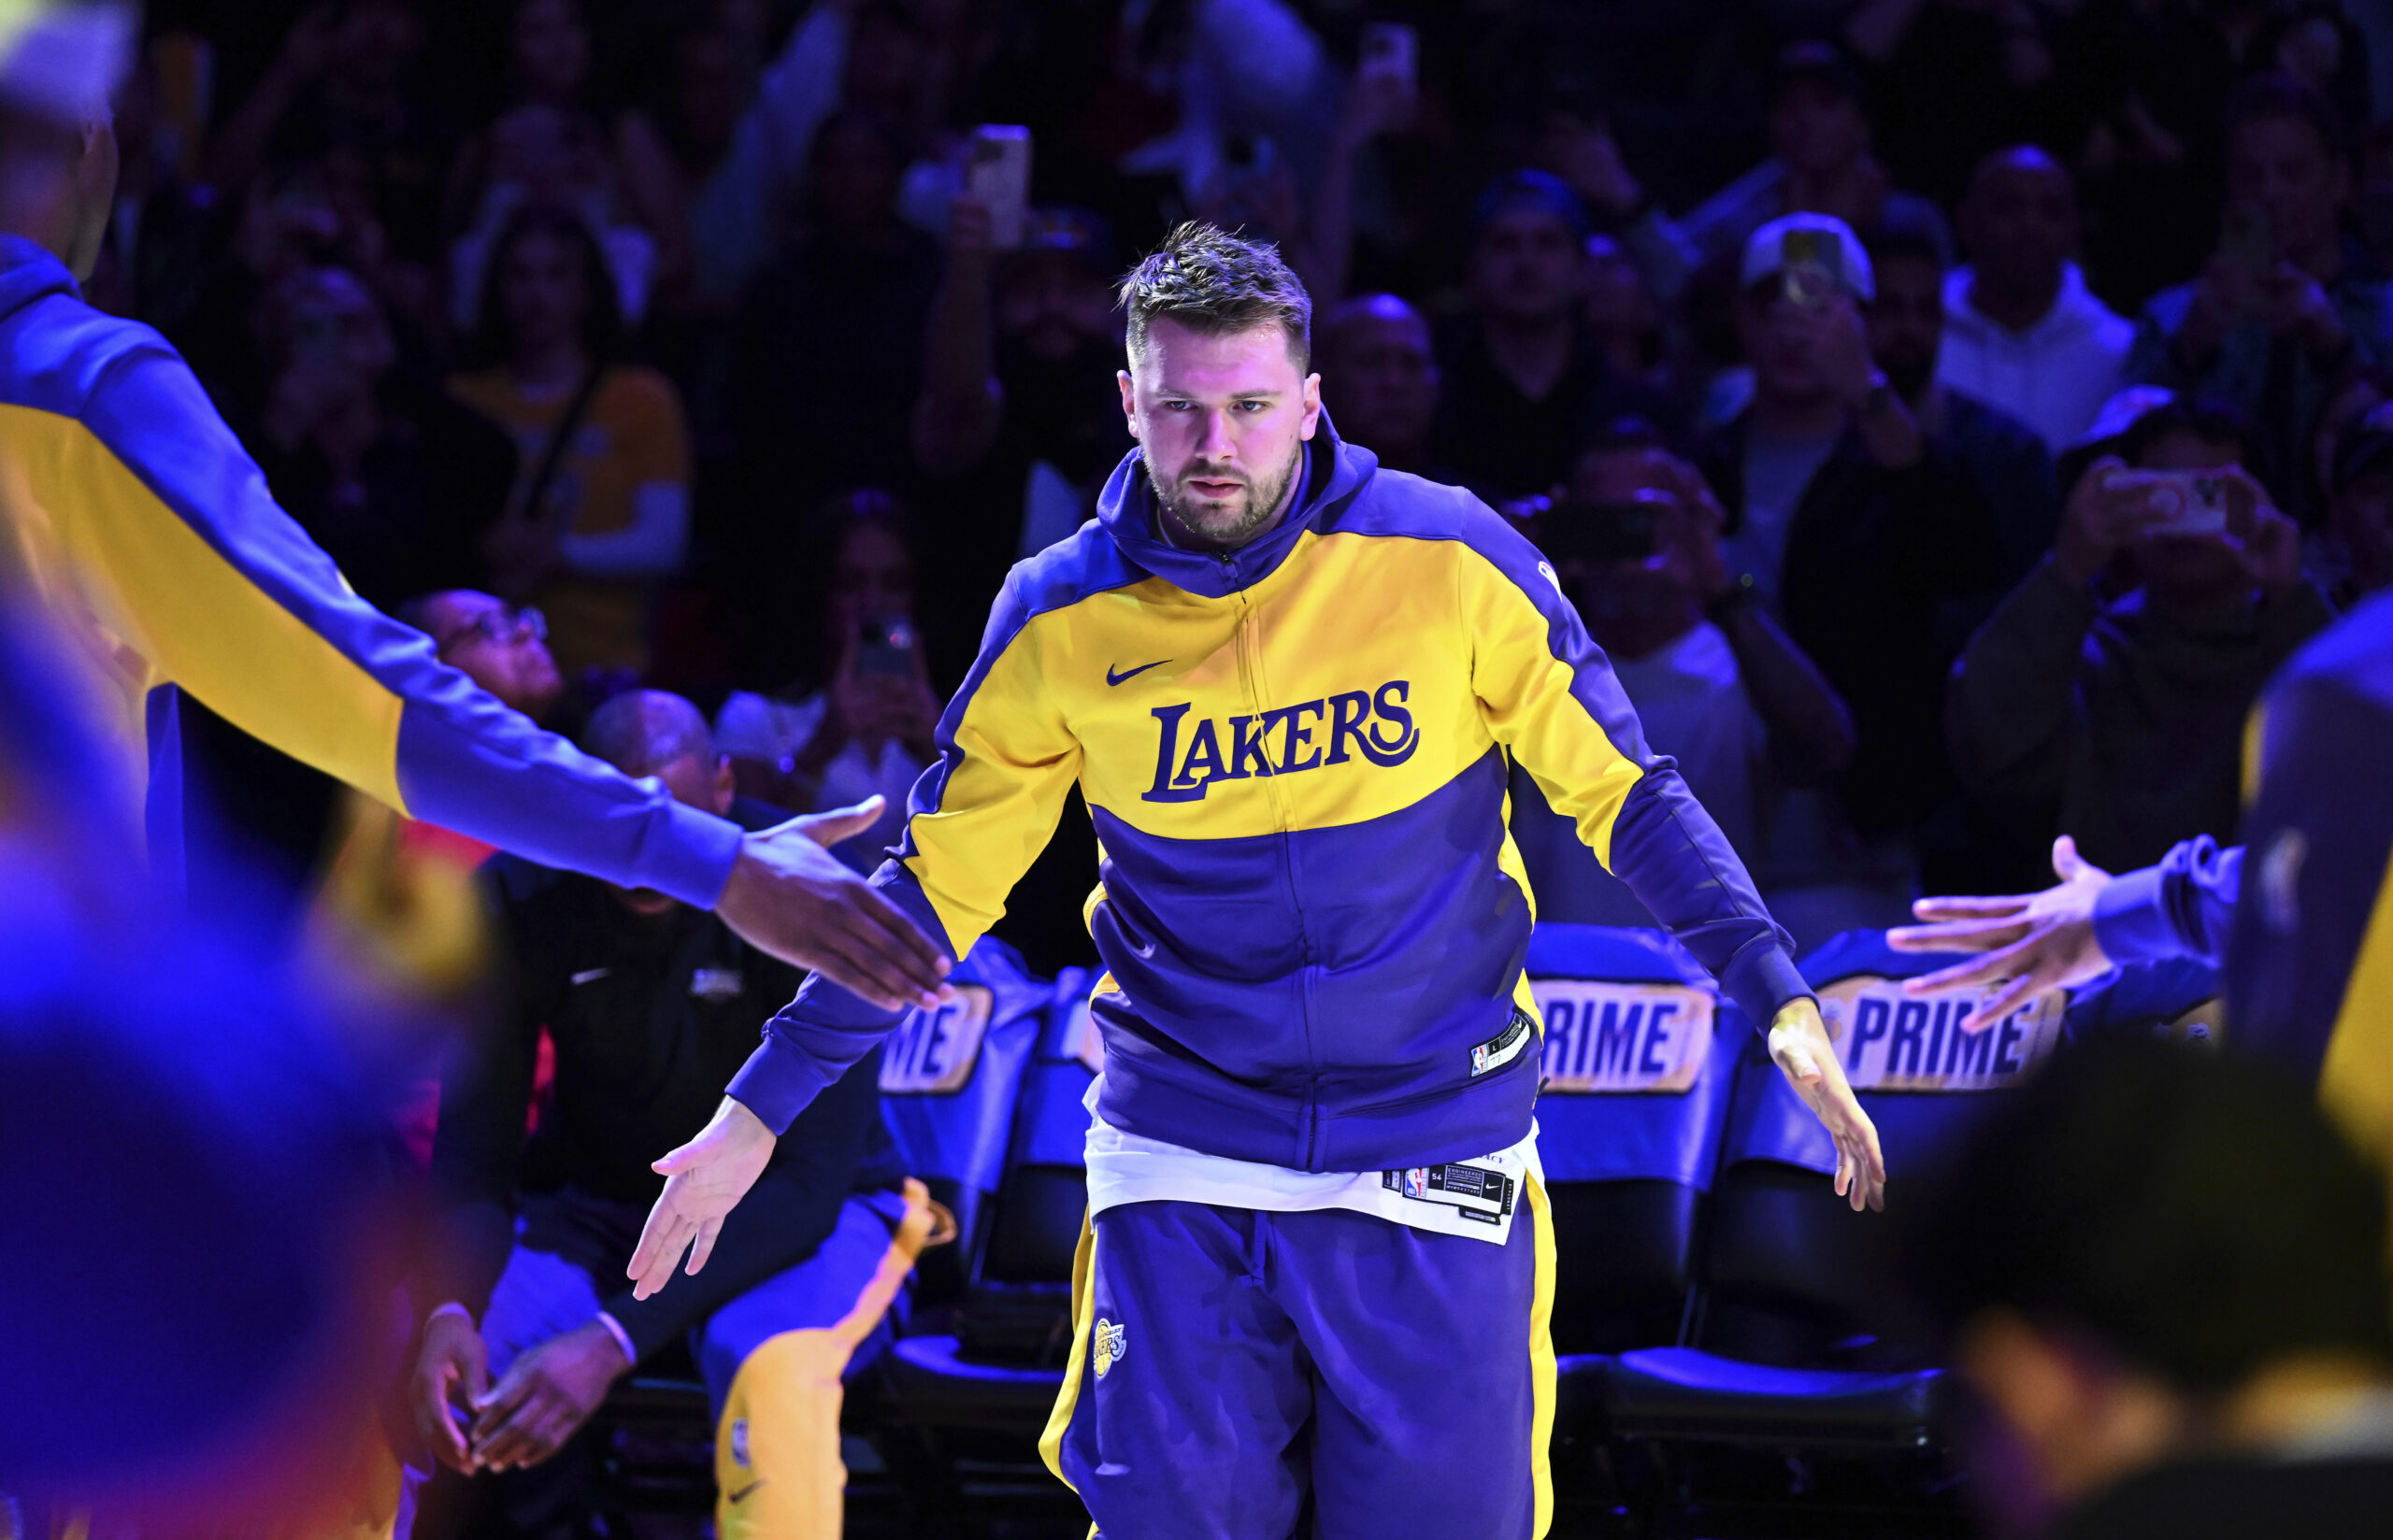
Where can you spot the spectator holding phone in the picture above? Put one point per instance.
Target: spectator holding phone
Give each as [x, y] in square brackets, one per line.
[1633, 540]
[2289, 300]
[601, 506]
[1855, 524]
[862, 724]
[2120, 720]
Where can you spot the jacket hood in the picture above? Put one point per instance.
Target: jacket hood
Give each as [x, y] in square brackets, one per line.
[1335, 473]
[29, 272]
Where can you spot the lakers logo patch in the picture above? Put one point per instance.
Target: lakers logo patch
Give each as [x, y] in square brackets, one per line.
[1113, 1341]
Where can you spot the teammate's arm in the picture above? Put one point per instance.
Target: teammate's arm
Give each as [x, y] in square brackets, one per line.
[180, 551]
[979, 817]
[1552, 700]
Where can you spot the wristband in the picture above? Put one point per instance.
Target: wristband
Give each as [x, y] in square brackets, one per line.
[623, 1339]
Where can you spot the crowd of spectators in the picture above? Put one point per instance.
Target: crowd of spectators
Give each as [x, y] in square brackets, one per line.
[671, 327]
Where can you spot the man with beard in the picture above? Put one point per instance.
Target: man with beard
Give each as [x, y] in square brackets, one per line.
[2002, 455]
[1289, 684]
[1014, 419]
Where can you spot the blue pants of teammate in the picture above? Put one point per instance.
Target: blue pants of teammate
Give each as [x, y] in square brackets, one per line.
[1226, 1362]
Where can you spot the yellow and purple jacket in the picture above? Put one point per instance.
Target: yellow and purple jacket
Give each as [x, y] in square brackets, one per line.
[136, 521]
[1313, 918]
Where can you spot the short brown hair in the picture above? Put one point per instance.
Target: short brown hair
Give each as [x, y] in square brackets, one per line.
[1215, 284]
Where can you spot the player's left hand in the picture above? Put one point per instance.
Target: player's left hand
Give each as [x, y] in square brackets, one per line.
[1804, 1053]
[546, 1396]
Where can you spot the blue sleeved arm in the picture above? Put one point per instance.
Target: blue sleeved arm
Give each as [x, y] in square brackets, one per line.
[176, 535]
[2185, 907]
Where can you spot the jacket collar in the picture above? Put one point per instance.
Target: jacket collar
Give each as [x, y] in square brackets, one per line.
[1333, 475]
[30, 271]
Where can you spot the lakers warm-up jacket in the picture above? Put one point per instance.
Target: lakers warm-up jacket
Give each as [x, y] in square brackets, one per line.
[133, 520]
[1313, 918]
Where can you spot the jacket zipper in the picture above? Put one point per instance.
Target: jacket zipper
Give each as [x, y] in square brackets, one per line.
[1249, 668]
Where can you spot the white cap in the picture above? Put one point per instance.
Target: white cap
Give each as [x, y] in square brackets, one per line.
[1809, 240]
[64, 59]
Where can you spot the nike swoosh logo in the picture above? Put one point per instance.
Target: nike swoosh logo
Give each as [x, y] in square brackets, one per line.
[1111, 678]
[743, 1494]
[591, 976]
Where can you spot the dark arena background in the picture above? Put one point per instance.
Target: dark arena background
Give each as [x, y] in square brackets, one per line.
[1945, 444]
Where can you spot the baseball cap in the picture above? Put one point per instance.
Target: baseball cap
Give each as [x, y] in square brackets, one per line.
[2365, 445]
[1810, 240]
[60, 60]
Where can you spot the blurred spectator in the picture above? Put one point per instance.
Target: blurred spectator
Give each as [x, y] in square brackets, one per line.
[395, 481]
[2013, 473]
[1633, 540]
[552, 146]
[830, 360]
[1019, 421]
[1820, 162]
[601, 502]
[1624, 319]
[2359, 514]
[1524, 380]
[1379, 377]
[2021, 330]
[2192, 1343]
[1852, 523]
[2289, 300]
[496, 644]
[2150, 79]
[860, 721]
[2319, 44]
[1954, 79]
[341, 81]
[650, 1004]
[2121, 722]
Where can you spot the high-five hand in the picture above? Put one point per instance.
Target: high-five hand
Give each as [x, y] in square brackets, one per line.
[791, 897]
[2034, 941]
[704, 1180]
[1804, 1053]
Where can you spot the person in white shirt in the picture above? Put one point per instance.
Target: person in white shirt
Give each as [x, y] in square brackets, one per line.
[1718, 685]
[2021, 330]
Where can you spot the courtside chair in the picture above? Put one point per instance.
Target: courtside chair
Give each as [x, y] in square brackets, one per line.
[999, 1365]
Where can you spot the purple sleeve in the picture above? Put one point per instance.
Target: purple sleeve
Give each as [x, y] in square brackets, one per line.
[819, 1035]
[2185, 907]
[464, 761]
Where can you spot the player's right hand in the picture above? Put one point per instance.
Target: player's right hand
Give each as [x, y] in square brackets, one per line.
[704, 1180]
[451, 1356]
[2031, 942]
[791, 897]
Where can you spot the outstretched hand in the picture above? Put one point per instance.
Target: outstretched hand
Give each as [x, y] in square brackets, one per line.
[790, 897]
[1799, 1045]
[2034, 942]
[704, 1180]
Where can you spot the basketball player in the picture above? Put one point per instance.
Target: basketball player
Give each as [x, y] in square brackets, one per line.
[1288, 683]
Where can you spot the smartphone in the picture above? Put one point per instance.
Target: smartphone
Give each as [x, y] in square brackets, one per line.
[996, 174]
[2188, 502]
[1810, 263]
[2246, 237]
[1597, 531]
[1391, 48]
[886, 646]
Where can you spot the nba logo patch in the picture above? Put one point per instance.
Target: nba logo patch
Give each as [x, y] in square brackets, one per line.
[1113, 1341]
[1416, 1182]
[740, 1441]
[1479, 1059]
